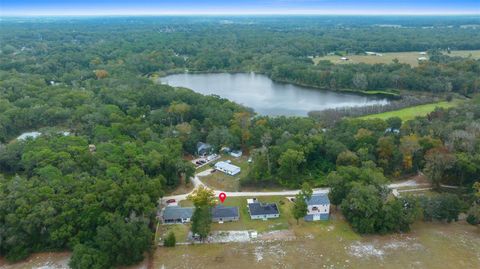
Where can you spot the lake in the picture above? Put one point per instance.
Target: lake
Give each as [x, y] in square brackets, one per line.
[265, 96]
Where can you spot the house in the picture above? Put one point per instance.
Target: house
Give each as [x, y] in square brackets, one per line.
[227, 168]
[344, 59]
[177, 214]
[263, 211]
[28, 135]
[236, 153]
[203, 149]
[225, 213]
[318, 207]
[421, 59]
[423, 53]
[392, 130]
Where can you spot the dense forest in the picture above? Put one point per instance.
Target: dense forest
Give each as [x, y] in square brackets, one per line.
[113, 141]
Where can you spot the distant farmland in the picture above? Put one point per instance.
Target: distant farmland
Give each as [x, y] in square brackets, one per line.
[410, 58]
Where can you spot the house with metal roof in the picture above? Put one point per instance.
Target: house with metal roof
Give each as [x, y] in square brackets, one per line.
[318, 207]
[177, 214]
[204, 149]
[263, 211]
[227, 168]
[225, 213]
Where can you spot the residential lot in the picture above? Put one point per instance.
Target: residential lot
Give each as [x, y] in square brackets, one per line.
[332, 244]
[221, 181]
[246, 223]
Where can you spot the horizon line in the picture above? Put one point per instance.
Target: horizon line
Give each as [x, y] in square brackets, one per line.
[141, 12]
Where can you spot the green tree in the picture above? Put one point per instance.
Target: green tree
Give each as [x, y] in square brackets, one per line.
[85, 257]
[290, 163]
[300, 207]
[201, 221]
[170, 240]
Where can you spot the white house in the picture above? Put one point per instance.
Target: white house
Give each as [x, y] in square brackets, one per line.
[318, 207]
[236, 153]
[421, 59]
[227, 168]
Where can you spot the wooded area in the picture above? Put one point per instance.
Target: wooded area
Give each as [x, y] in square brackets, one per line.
[95, 190]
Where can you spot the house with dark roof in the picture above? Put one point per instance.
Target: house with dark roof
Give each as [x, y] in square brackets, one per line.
[263, 211]
[225, 213]
[177, 214]
[318, 207]
[204, 149]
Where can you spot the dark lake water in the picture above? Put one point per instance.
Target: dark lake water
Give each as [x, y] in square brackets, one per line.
[265, 96]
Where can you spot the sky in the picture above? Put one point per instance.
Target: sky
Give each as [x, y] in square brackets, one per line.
[216, 7]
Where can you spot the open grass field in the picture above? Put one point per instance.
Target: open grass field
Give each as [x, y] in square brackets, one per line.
[410, 58]
[412, 112]
[333, 244]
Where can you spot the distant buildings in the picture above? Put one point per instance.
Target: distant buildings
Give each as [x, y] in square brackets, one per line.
[318, 207]
[227, 168]
[371, 53]
[344, 59]
[263, 211]
[28, 135]
[421, 59]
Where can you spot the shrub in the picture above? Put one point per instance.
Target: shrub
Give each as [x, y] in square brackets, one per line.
[170, 240]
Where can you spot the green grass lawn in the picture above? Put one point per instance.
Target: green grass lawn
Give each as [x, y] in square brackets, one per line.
[412, 112]
[180, 231]
[246, 223]
[222, 181]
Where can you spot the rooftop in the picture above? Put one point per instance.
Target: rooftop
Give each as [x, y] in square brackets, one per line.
[177, 212]
[226, 166]
[263, 209]
[319, 199]
[224, 211]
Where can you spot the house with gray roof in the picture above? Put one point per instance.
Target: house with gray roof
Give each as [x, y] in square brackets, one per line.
[176, 214]
[318, 207]
[204, 149]
[263, 211]
[225, 213]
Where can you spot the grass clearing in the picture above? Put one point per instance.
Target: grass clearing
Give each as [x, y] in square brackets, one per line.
[221, 181]
[410, 113]
[410, 57]
[180, 231]
[332, 244]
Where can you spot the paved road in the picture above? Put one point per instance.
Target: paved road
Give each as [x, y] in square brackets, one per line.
[197, 182]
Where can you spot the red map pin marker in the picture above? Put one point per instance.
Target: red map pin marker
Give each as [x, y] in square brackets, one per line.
[222, 196]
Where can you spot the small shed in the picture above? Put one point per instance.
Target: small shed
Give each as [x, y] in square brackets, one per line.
[225, 213]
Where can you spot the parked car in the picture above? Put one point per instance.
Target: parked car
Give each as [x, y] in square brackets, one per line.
[213, 171]
[171, 201]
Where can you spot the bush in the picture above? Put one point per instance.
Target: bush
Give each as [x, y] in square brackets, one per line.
[170, 240]
[471, 219]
